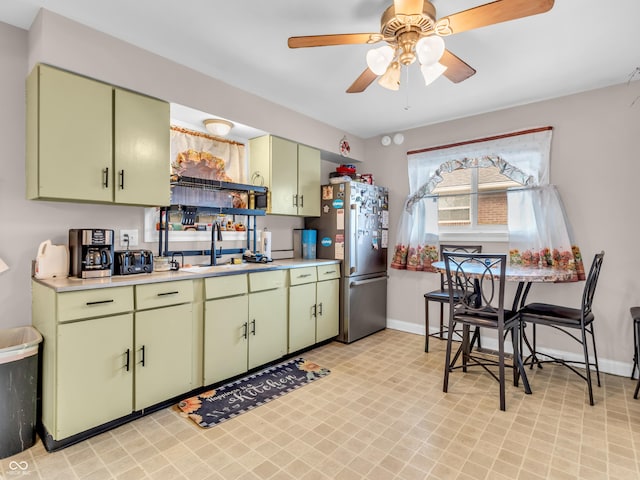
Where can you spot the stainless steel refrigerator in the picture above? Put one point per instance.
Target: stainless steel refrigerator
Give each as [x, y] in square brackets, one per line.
[353, 227]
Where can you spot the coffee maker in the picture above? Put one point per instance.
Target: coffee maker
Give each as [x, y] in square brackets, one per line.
[91, 252]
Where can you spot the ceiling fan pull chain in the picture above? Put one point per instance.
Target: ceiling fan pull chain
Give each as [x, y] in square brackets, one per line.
[407, 105]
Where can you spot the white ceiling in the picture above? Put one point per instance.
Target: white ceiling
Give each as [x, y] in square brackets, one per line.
[579, 45]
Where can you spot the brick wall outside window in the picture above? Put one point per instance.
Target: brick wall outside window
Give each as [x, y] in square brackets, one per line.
[492, 209]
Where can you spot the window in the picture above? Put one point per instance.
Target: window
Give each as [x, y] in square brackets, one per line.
[473, 198]
[459, 189]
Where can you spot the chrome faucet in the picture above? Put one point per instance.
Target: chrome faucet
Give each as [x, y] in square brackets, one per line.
[216, 234]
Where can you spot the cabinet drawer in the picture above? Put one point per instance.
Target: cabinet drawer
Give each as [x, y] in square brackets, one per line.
[266, 280]
[298, 276]
[228, 286]
[162, 294]
[328, 272]
[94, 303]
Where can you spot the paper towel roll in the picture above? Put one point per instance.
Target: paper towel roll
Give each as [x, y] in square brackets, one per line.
[265, 243]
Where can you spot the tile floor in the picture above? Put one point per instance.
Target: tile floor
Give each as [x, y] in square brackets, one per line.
[380, 414]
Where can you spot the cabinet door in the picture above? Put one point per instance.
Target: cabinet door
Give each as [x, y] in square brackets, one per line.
[226, 330]
[302, 316]
[74, 138]
[142, 157]
[267, 326]
[308, 181]
[94, 381]
[284, 177]
[327, 301]
[163, 354]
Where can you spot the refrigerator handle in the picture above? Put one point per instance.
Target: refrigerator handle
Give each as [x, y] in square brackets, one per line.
[353, 247]
[357, 283]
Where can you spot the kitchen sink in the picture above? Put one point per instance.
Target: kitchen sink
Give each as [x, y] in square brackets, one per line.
[214, 268]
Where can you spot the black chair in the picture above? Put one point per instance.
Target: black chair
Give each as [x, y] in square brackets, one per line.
[476, 285]
[567, 320]
[442, 295]
[635, 315]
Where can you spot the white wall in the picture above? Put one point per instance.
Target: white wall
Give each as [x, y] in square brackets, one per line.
[594, 163]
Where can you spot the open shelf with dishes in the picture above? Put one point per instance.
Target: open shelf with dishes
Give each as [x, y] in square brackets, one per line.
[200, 204]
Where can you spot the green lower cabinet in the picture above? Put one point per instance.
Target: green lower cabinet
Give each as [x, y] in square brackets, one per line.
[267, 326]
[243, 332]
[94, 374]
[163, 354]
[226, 328]
[100, 372]
[327, 316]
[313, 307]
[302, 316]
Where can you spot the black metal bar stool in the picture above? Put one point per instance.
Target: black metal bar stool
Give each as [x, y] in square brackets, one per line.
[635, 314]
[442, 296]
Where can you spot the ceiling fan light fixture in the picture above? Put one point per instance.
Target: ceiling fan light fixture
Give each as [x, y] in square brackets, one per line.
[218, 126]
[391, 78]
[429, 49]
[432, 72]
[378, 59]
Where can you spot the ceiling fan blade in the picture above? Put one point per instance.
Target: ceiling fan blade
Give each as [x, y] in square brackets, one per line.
[365, 79]
[337, 39]
[408, 7]
[494, 12]
[457, 70]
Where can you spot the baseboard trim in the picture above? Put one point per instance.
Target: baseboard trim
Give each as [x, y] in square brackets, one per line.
[612, 367]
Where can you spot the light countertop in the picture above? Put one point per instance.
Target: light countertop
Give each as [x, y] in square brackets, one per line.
[70, 284]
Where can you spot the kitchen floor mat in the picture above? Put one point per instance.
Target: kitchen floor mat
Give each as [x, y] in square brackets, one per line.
[240, 396]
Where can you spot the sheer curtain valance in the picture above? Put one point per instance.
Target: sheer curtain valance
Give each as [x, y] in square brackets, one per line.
[521, 156]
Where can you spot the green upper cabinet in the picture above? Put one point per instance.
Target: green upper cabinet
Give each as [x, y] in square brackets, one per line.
[90, 142]
[69, 137]
[141, 149]
[308, 181]
[291, 172]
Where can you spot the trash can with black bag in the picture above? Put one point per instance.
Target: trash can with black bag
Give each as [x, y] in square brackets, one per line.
[18, 395]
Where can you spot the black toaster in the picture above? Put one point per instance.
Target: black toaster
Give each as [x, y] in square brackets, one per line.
[127, 262]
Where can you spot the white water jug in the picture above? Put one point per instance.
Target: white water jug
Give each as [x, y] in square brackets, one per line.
[52, 261]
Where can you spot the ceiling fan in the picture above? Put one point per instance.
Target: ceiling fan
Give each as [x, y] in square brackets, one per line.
[411, 32]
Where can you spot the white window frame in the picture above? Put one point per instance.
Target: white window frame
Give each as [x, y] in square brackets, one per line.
[512, 147]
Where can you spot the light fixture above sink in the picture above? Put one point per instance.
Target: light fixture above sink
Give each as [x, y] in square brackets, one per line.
[218, 126]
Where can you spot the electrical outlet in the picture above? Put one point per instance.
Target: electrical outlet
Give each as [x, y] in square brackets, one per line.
[131, 235]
